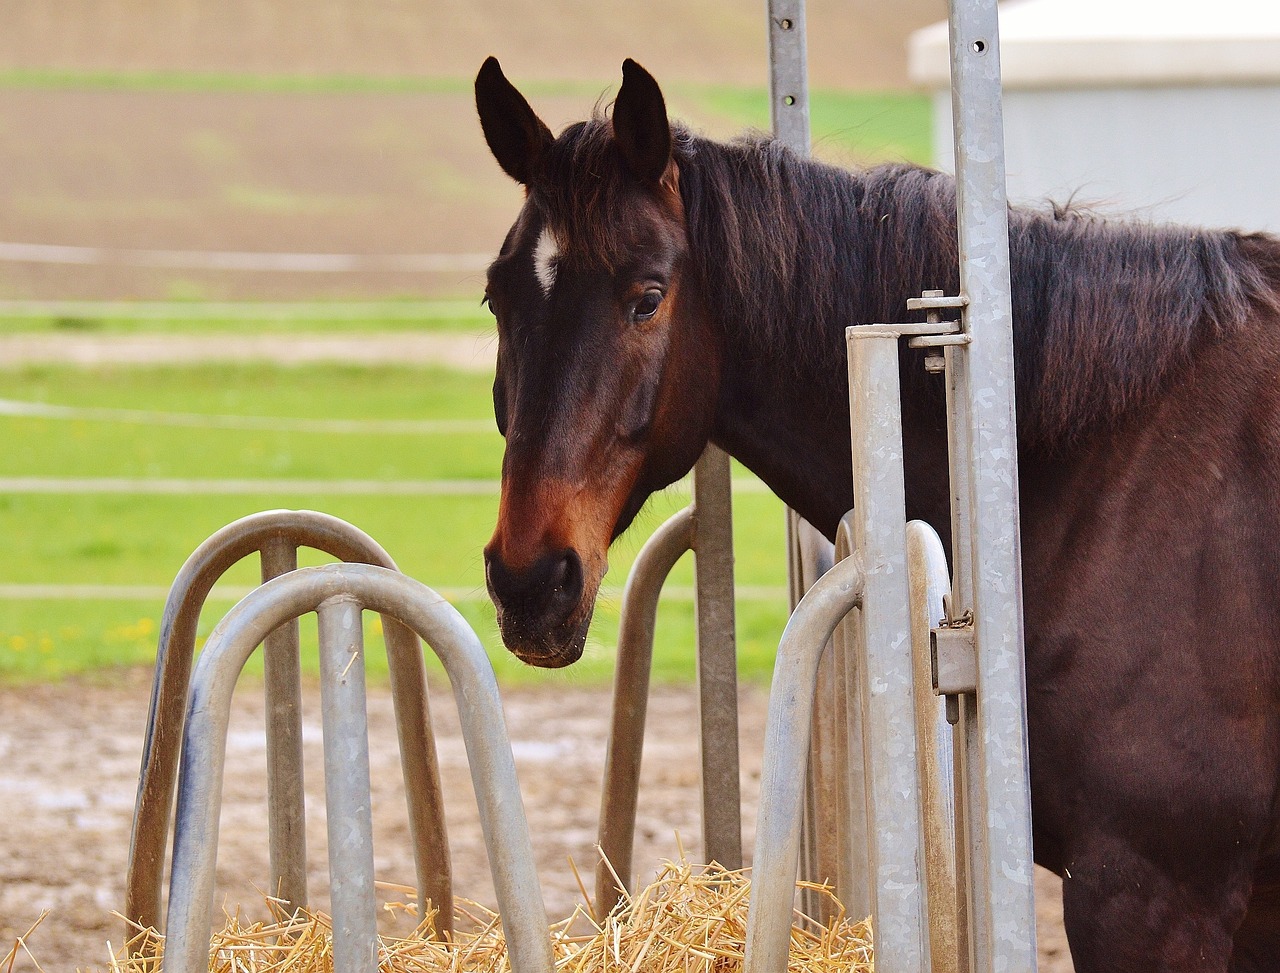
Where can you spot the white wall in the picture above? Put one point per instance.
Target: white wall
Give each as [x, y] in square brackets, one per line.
[1207, 155]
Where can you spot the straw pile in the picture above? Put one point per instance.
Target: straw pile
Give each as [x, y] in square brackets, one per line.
[691, 919]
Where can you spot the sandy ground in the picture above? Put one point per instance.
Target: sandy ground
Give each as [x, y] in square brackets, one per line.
[68, 769]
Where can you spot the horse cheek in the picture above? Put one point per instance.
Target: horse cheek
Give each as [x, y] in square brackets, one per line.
[635, 417]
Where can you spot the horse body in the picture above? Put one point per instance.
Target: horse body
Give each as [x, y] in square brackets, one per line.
[1149, 564]
[660, 291]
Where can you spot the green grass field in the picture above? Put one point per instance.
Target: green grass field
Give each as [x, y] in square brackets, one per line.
[241, 317]
[873, 124]
[864, 125]
[82, 586]
[123, 471]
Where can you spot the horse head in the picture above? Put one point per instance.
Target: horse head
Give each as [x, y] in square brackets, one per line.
[606, 374]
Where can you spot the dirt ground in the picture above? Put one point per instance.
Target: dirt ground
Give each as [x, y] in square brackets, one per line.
[68, 769]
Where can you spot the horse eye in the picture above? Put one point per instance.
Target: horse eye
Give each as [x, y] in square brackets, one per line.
[647, 306]
[487, 302]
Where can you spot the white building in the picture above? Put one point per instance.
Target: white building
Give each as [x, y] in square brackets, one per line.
[1165, 109]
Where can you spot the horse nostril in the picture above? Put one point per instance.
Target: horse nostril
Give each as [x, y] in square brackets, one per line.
[494, 571]
[554, 579]
[566, 576]
[558, 574]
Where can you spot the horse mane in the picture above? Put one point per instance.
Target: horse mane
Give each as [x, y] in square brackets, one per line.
[1106, 310]
[791, 251]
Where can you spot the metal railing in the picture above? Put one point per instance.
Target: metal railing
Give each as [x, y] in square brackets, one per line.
[276, 536]
[339, 593]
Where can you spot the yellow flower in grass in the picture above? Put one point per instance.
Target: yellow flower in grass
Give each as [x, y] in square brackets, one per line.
[132, 631]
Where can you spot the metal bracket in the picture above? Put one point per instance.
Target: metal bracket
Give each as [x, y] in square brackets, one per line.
[954, 659]
[936, 301]
[939, 341]
[933, 333]
[917, 330]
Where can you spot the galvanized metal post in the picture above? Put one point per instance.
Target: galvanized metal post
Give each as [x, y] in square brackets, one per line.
[717, 658]
[809, 554]
[788, 75]
[988, 579]
[347, 785]
[895, 838]
[282, 685]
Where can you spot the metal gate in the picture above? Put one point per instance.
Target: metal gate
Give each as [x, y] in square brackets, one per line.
[977, 656]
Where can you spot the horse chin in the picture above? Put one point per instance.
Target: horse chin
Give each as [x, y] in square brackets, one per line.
[554, 648]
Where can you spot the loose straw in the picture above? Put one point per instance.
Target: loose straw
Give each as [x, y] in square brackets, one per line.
[690, 919]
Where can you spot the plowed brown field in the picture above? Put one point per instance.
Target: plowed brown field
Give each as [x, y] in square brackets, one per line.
[372, 171]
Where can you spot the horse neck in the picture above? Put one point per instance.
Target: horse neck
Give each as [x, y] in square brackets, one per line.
[790, 251]
[789, 254]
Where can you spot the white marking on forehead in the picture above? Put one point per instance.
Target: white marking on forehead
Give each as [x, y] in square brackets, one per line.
[545, 253]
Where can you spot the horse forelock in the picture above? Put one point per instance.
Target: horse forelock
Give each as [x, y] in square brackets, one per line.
[584, 195]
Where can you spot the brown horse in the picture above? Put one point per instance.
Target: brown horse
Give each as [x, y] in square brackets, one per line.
[659, 291]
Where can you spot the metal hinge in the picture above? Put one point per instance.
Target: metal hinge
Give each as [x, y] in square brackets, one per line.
[934, 302]
[934, 334]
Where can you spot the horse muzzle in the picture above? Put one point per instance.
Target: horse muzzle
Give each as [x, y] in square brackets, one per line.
[544, 607]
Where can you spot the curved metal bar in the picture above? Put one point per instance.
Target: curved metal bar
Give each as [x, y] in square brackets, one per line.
[782, 778]
[848, 840]
[502, 816]
[270, 531]
[825, 828]
[630, 704]
[929, 583]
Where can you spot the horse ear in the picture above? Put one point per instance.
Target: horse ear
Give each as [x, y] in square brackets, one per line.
[640, 124]
[516, 135]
